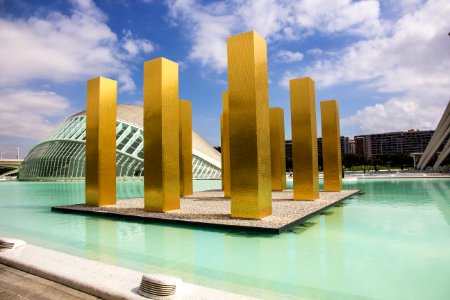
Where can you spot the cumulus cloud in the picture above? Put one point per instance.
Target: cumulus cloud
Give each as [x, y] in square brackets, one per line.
[27, 113]
[62, 48]
[289, 56]
[135, 46]
[57, 48]
[209, 24]
[410, 59]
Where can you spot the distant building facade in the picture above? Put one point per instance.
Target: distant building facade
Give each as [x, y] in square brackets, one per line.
[345, 147]
[372, 145]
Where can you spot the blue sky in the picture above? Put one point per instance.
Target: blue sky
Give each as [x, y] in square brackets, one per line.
[386, 62]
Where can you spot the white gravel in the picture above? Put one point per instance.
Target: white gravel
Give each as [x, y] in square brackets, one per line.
[210, 207]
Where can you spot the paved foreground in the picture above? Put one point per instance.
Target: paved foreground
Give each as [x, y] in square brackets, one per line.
[15, 284]
[95, 278]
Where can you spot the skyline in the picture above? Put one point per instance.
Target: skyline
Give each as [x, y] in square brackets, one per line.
[380, 60]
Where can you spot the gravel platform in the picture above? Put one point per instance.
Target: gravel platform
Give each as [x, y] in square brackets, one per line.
[212, 209]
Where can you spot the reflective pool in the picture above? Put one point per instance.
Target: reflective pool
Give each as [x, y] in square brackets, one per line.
[391, 242]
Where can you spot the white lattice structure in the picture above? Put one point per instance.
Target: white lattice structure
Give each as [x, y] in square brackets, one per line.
[61, 155]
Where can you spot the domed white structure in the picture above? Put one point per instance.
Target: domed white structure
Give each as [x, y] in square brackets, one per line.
[61, 155]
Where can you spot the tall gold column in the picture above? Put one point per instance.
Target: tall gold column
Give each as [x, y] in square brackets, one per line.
[186, 188]
[304, 139]
[277, 149]
[249, 126]
[331, 146]
[161, 136]
[221, 150]
[225, 146]
[101, 106]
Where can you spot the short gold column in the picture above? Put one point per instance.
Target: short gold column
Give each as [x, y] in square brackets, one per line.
[101, 106]
[331, 146]
[161, 136]
[304, 139]
[225, 146]
[186, 188]
[277, 149]
[251, 195]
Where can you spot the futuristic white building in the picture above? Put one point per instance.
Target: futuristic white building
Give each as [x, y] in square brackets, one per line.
[61, 155]
[441, 133]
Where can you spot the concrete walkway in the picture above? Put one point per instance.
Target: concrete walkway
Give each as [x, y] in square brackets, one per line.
[95, 278]
[15, 284]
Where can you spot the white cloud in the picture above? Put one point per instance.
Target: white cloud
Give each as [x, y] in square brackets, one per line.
[57, 48]
[63, 48]
[209, 27]
[359, 17]
[26, 113]
[135, 46]
[411, 59]
[289, 56]
[210, 24]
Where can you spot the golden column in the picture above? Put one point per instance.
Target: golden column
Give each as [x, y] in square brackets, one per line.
[277, 149]
[186, 188]
[225, 146]
[331, 146]
[221, 151]
[101, 106]
[304, 139]
[161, 141]
[249, 126]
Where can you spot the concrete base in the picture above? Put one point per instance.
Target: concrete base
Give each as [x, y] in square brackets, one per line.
[211, 209]
[95, 278]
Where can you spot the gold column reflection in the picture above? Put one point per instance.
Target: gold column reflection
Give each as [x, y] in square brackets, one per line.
[249, 126]
[186, 188]
[225, 146]
[331, 146]
[101, 106]
[304, 139]
[161, 141]
[101, 240]
[277, 149]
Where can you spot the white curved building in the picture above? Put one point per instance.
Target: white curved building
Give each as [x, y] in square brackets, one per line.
[61, 155]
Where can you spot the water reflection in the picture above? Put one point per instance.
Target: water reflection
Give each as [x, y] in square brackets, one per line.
[390, 243]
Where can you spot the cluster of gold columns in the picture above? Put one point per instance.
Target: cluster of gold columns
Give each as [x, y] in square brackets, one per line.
[252, 136]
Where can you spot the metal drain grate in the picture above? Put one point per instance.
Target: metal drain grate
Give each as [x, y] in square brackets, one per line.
[9, 244]
[159, 286]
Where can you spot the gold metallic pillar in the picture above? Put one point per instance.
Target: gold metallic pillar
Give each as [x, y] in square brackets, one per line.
[249, 126]
[277, 149]
[304, 139]
[225, 146]
[221, 150]
[101, 106]
[186, 188]
[161, 136]
[331, 146]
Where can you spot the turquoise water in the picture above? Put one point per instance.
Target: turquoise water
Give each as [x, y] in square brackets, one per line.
[392, 242]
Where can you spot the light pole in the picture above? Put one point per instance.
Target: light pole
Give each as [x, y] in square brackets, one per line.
[1, 155]
[18, 153]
